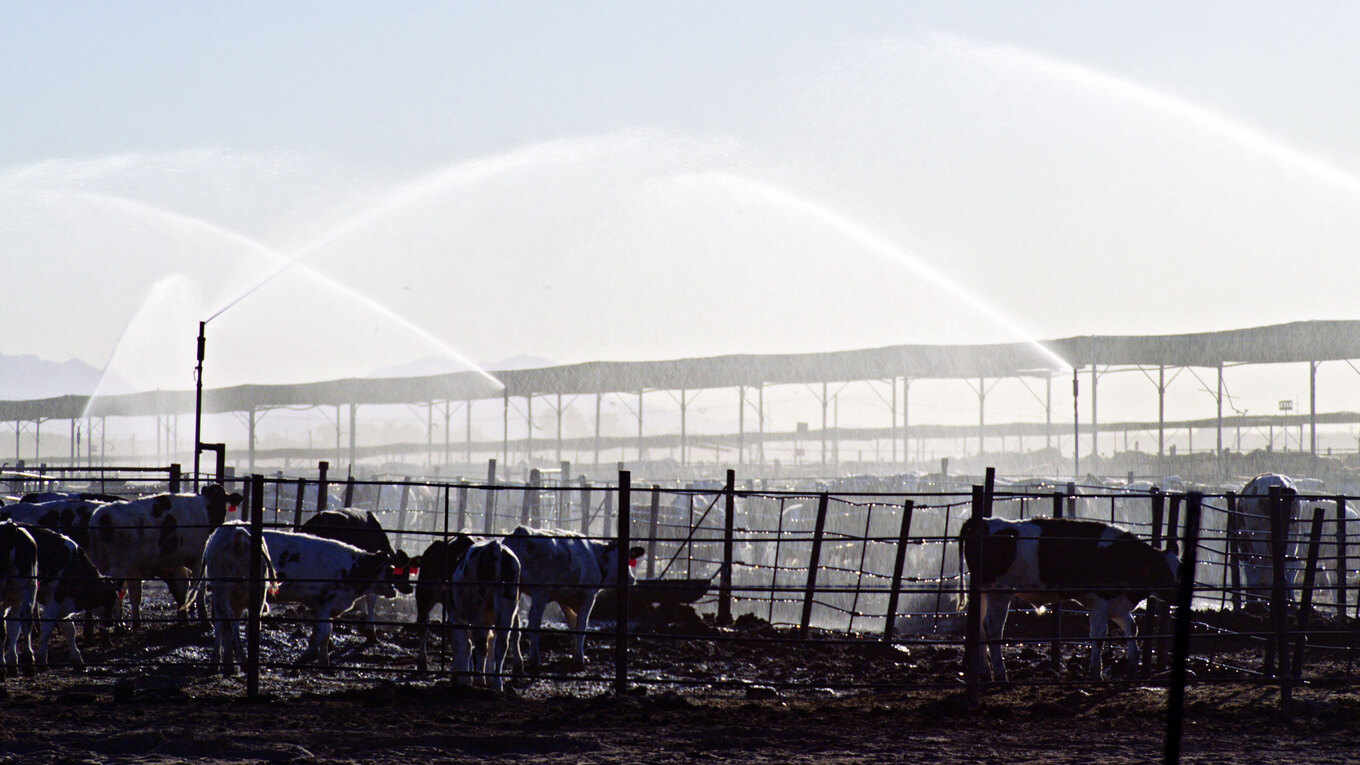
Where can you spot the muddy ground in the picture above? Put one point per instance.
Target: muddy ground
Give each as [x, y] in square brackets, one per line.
[146, 698]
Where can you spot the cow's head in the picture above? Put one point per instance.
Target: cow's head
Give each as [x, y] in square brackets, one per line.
[403, 566]
[609, 562]
[220, 502]
[373, 573]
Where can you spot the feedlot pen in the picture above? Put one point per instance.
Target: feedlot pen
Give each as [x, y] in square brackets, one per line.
[760, 593]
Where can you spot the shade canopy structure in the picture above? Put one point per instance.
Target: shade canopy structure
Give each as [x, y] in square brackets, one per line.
[1307, 341]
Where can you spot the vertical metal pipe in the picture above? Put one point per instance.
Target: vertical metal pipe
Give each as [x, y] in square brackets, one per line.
[903, 537]
[729, 526]
[1175, 706]
[256, 586]
[814, 562]
[622, 593]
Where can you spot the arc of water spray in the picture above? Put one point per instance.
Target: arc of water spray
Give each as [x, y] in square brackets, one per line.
[1245, 136]
[877, 245]
[269, 252]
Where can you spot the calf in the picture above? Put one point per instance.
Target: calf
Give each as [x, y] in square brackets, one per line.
[436, 566]
[225, 571]
[18, 590]
[327, 577]
[157, 537]
[68, 584]
[1046, 560]
[485, 609]
[1252, 540]
[361, 529]
[569, 570]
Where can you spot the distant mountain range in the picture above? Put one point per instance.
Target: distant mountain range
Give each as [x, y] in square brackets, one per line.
[28, 377]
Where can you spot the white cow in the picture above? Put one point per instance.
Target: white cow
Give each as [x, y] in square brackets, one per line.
[1252, 540]
[225, 572]
[159, 537]
[484, 594]
[567, 569]
[1046, 561]
[327, 577]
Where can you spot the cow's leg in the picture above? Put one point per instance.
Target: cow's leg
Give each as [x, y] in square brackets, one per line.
[1100, 627]
[135, 602]
[47, 621]
[1121, 613]
[370, 628]
[505, 621]
[68, 628]
[13, 626]
[480, 635]
[995, 609]
[579, 622]
[462, 655]
[179, 590]
[537, 605]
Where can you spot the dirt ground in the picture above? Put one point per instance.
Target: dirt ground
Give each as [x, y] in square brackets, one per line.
[146, 698]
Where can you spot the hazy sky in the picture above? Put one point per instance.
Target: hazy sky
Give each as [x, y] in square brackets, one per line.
[625, 180]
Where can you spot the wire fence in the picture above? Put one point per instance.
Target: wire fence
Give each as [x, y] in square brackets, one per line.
[740, 569]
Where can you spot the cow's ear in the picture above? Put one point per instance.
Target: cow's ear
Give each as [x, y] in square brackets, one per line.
[402, 559]
[416, 561]
[235, 498]
[636, 552]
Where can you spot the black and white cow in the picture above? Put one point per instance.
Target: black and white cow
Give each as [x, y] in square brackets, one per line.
[437, 564]
[68, 584]
[567, 569]
[158, 537]
[1046, 561]
[18, 590]
[69, 515]
[1252, 540]
[225, 572]
[485, 600]
[361, 529]
[326, 576]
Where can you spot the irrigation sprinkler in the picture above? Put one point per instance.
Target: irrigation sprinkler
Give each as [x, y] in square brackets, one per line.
[198, 399]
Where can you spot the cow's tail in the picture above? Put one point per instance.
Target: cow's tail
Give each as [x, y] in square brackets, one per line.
[196, 586]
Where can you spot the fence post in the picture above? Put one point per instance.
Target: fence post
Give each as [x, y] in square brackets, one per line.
[1276, 644]
[651, 531]
[729, 524]
[972, 647]
[489, 516]
[297, 503]
[1232, 530]
[1172, 539]
[1341, 567]
[988, 491]
[349, 491]
[1309, 577]
[814, 562]
[1175, 704]
[528, 511]
[462, 507]
[622, 593]
[321, 489]
[256, 587]
[176, 477]
[585, 507]
[903, 535]
[1055, 651]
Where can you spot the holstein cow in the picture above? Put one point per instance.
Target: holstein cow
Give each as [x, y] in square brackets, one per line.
[1046, 560]
[68, 584]
[436, 566]
[225, 571]
[158, 537]
[569, 570]
[485, 599]
[18, 590]
[326, 576]
[361, 529]
[1252, 540]
[67, 515]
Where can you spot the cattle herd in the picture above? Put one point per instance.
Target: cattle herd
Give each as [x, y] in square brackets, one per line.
[65, 555]
[68, 554]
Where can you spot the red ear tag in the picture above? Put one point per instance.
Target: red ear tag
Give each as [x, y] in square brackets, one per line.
[121, 594]
[632, 562]
[231, 508]
[398, 571]
[414, 571]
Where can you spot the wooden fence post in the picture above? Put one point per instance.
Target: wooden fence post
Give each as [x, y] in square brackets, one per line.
[729, 526]
[489, 514]
[622, 593]
[1055, 651]
[322, 488]
[1306, 604]
[585, 507]
[814, 562]
[176, 477]
[462, 507]
[1157, 609]
[256, 587]
[972, 646]
[1232, 529]
[1341, 568]
[297, 504]
[1165, 626]
[349, 491]
[903, 536]
[1180, 649]
[651, 531]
